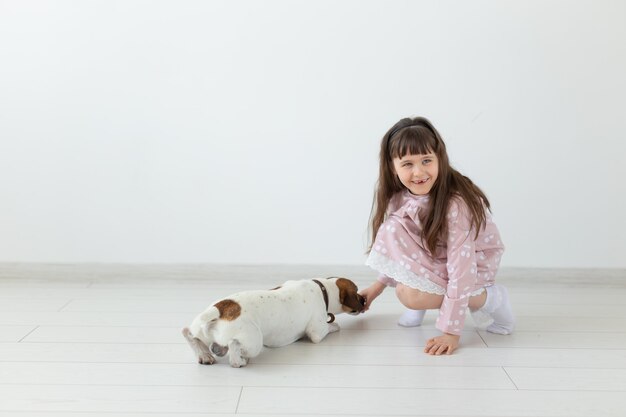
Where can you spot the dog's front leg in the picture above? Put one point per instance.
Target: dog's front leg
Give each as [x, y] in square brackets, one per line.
[333, 327]
[317, 331]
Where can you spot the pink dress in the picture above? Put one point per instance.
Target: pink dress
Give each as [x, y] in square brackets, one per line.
[460, 268]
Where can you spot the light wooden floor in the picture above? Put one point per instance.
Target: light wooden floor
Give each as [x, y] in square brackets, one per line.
[102, 340]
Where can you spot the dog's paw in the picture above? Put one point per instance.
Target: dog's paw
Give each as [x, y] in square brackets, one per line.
[238, 362]
[333, 327]
[206, 359]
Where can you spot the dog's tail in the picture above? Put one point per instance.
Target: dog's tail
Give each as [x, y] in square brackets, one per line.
[210, 315]
[208, 318]
[204, 321]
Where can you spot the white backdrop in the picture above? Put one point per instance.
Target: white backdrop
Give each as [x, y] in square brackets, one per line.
[248, 132]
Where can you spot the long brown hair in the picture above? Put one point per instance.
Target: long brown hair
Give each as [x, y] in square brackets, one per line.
[418, 136]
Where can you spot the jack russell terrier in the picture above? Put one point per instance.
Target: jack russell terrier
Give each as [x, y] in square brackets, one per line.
[243, 323]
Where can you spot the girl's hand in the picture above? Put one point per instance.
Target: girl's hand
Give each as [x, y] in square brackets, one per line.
[371, 292]
[446, 343]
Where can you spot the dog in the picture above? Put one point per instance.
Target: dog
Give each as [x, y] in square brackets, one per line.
[240, 325]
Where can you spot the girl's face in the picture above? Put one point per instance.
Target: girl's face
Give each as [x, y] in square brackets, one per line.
[417, 173]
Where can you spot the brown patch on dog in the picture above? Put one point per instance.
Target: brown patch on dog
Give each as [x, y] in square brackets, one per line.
[352, 301]
[276, 288]
[229, 309]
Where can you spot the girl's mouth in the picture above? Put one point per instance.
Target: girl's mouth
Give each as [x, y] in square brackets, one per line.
[420, 182]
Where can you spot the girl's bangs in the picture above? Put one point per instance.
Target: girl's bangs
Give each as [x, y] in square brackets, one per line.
[415, 140]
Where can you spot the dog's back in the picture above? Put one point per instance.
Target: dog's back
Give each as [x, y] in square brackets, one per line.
[242, 323]
[281, 314]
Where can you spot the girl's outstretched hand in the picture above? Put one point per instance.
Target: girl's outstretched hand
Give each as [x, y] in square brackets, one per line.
[371, 292]
[445, 343]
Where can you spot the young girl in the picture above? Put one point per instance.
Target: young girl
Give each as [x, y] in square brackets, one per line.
[434, 238]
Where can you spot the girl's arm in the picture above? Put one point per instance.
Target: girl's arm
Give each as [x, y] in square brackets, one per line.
[374, 290]
[462, 269]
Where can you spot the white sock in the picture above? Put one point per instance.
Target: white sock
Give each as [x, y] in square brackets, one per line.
[411, 318]
[498, 307]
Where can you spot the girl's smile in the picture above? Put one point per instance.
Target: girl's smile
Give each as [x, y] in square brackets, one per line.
[417, 173]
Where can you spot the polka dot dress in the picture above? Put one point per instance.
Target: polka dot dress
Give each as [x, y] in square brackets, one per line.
[460, 267]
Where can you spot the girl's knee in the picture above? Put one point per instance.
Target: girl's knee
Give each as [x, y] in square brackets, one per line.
[416, 299]
[404, 293]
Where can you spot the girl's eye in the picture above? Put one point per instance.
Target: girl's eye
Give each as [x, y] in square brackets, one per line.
[426, 161]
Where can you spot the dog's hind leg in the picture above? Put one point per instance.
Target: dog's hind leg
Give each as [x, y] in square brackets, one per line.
[201, 350]
[245, 344]
[236, 354]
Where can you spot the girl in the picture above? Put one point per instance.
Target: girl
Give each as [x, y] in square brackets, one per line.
[435, 241]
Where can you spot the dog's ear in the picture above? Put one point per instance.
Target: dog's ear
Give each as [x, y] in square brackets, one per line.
[352, 301]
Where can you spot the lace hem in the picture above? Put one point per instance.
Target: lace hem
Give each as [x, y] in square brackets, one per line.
[477, 292]
[404, 276]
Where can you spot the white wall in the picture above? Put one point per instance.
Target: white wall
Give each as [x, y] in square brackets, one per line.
[248, 132]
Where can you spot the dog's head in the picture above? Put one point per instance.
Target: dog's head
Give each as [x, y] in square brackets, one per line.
[351, 301]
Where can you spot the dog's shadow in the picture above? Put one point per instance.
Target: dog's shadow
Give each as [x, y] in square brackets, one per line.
[378, 321]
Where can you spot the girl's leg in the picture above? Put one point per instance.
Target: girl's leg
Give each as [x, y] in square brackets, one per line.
[411, 318]
[498, 307]
[477, 301]
[418, 302]
[416, 299]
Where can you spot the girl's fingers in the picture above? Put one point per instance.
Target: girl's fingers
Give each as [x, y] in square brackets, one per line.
[437, 349]
[432, 349]
[429, 344]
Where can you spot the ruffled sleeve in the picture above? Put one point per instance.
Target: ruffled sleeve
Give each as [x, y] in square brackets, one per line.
[462, 268]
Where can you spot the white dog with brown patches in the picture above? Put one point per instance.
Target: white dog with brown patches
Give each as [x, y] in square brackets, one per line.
[241, 324]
